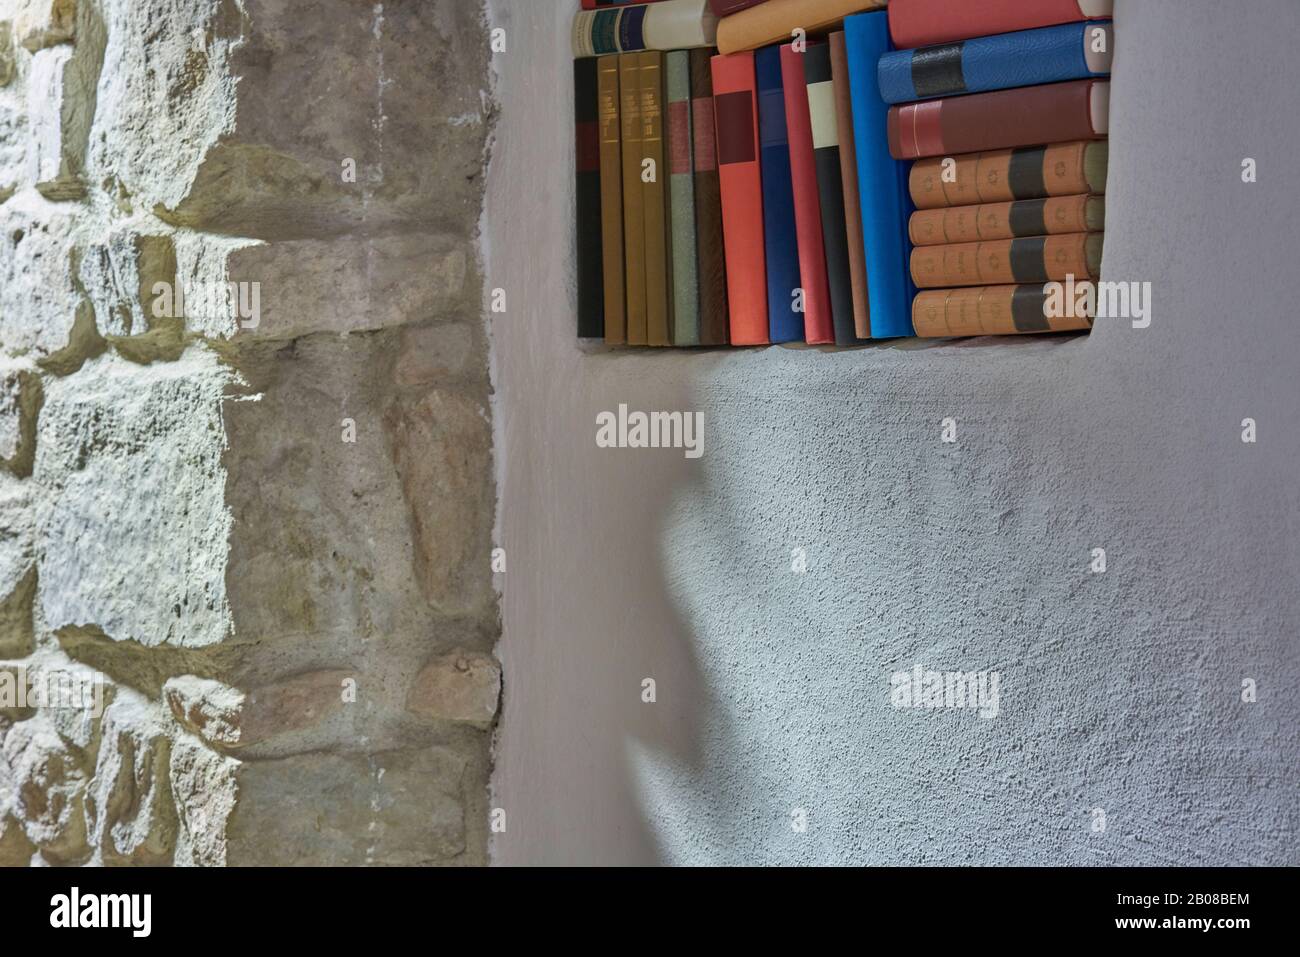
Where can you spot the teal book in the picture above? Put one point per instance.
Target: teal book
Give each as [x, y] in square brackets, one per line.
[681, 195]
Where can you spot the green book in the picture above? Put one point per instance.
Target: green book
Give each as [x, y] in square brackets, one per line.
[681, 188]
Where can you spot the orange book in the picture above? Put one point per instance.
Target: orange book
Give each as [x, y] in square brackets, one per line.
[990, 311]
[735, 110]
[1035, 259]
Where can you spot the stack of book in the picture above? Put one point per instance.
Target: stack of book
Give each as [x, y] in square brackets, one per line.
[742, 178]
[1001, 107]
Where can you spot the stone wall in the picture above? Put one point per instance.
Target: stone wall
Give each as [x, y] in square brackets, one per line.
[259, 521]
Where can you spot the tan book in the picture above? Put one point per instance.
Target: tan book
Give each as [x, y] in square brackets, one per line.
[655, 198]
[1025, 217]
[1000, 176]
[990, 311]
[1036, 259]
[775, 21]
[629, 84]
[611, 199]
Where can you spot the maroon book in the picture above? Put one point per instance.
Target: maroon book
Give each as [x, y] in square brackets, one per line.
[1005, 119]
[724, 7]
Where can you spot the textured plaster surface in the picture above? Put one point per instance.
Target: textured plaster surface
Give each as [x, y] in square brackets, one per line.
[1119, 691]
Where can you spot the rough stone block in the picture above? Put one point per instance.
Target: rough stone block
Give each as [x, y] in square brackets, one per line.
[351, 284]
[45, 23]
[461, 686]
[128, 805]
[413, 124]
[133, 520]
[15, 849]
[229, 719]
[120, 275]
[48, 790]
[204, 789]
[392, 808]
[20, 402]
[39, 302]
[441, 444]
[17, 567]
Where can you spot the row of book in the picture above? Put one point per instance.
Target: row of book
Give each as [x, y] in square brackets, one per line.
[924, 170]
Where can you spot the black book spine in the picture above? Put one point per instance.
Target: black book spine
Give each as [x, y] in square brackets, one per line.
[590, 259]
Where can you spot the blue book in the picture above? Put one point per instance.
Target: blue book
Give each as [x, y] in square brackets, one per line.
[1071, 51]
[781, 243]
[886, 203]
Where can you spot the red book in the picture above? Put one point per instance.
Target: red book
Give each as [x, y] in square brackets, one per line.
[1003, 119]
[604, 4]
[817, 324]
[725, 7]
[735, 112]
[922, 23]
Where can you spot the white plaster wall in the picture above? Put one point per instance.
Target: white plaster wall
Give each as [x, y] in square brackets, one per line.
[1119, 691]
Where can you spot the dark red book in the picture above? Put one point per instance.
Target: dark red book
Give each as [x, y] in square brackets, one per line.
[725, 7]
[1026, 116]
[923, 23]
[740, 180]
[818, 326]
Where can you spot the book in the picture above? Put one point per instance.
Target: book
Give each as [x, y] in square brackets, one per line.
[780, 235]
[991, 311]
[681, 202]
[667, 25]
[775, 21]
[740, 177]
[654, 201]
[919, 23]
[999, 176]
[1024, 217]
[824, 123]
[1070, 51]
[590, 264]
[598, 4]
[1033, 259]
[725, 8]
[849, 181]
[883, 181]
[629, 86]
[711, 263]
[818, 327]
[611, 199]
[1029, 115]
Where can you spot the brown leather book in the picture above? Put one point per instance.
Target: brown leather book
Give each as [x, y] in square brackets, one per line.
[711, 262]
[654, 199]
[1036, 259]
[849, 176]
[1025, 217]
[990, 311]
[1003, 119]
[999, 176]
[611, 199]
[629, 85]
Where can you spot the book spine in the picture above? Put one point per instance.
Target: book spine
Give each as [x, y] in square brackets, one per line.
[681, 188]
[590, 265]
[629, 84]
[611, 201]
[1027, 58]
[1026, 217]
[666, 25]
[725, 8]
[711, 267]
[1003, 119]
[849, 181]
[885, 206]
[735, 109]
[654, 197]
[819, 90]
[919, 23]
[774, 21]
[999, 176]
[1035, 259]
[600, 4]
[993, 311]
[818, 326]
[785, 320]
